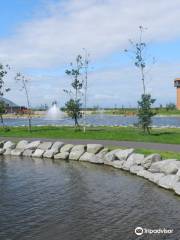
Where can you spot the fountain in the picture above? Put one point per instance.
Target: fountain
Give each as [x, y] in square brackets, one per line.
[54, 113]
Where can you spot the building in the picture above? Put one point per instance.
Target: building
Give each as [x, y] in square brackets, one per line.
[11, 107]
[177, 85]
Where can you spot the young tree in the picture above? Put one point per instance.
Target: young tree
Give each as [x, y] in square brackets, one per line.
[3, 90]
[73, 106]
[144, 111]
[24, 81]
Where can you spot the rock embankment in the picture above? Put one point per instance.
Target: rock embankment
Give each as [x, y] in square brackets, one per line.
[164, 173]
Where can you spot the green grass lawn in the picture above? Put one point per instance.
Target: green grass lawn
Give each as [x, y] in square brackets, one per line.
[102, 133]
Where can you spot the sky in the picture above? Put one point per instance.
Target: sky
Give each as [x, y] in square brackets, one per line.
[41, 37]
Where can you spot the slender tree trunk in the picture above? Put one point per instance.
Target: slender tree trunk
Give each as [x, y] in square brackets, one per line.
[29, 107]
[2, 121]
[143, 80]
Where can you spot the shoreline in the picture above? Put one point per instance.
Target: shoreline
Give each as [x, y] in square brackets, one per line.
[165, 173]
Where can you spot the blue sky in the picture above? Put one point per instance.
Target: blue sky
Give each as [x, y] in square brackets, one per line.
[41, 37]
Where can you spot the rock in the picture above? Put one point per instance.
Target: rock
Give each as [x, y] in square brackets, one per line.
[144, 173]
[87, 157]
[17, 152]
[2, 144]
[110, 156]
[50, 153]
[135, 169]
[124, 154]
[57, 145]
[22, 144]
[2, 150]
[62, 155]
[9, 145]
[28, 152]
[176, 188]
[80, 148]
[155, 177]
[38, 153]
[169, 166]
[7, 151]
[133, 159]
[94, 148]
[151, 159]
[45, 146]
[117, 164]
[168, 181]
[178, 173]
[33, 145]
[66, 148]
[75, 155]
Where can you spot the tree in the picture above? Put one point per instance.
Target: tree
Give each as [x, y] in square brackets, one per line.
[24, 81]
[170, 106]
[145, 112]
[73, 106]
[3, 90]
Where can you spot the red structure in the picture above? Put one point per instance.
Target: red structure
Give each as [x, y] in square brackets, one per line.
[177, 85]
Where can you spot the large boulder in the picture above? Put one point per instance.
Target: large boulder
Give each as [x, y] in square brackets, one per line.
[45, 145]
[144, 173]
[9, 145]
[62, 155]
[117, 163]
[76, 154]
[7, 151]
[168, 181]
[50, 153]
[2, 150]
[124, 154]
[28, 152]
[135, 169]
[17, 152]
[151, 159]
[133, 159]
[87, 157]
[2, 144]
[94, 148]
[38, 153]
[66, 148]
[22, 144]
[57, 146]
[110, 156]
[169, 166]
[176, 187]
[155, 177]
[33, 145]
[80, 148]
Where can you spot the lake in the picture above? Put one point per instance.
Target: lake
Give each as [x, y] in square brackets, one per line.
[98, 120]
[46, 200]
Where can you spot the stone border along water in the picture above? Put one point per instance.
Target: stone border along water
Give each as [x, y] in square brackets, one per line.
[164, 173]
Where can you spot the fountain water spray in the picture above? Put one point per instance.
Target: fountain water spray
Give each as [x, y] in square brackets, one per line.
[54, 113]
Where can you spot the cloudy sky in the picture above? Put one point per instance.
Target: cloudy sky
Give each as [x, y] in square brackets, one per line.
[41, 37]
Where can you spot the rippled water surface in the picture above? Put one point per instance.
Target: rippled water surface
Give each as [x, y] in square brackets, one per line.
[45, 200]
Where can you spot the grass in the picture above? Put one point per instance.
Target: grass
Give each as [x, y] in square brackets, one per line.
[171, 136]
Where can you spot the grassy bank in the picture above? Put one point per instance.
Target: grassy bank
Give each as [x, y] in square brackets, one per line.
[102, 133]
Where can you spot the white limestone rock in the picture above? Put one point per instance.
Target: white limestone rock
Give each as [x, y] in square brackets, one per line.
[117, 163]
[144, 173]
[62, 155]
[176, 187]
[75, 155]
[38, 153]
[151, 159]
[169, 166]
[66, 148]
[178, 172]
[124, 154]
[9, 145]
[2, 150]
[17, 152]
[135, 169]
[87, 157]
[155, 177]
[110, 156]
[28, 153]
[57, 146]
[168, 181]
[94, 148]
[7, 151]
[50, 153]
[133, 159]
[80, 148]
[33, 145]
[22, 144]
[45, 146]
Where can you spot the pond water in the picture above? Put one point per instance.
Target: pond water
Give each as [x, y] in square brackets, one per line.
[46, 200]
[98, 120]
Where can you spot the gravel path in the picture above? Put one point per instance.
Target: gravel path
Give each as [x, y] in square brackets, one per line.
[128, 144]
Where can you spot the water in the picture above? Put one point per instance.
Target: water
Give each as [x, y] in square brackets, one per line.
[97, 120]
[42, 200]
[54, 113]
